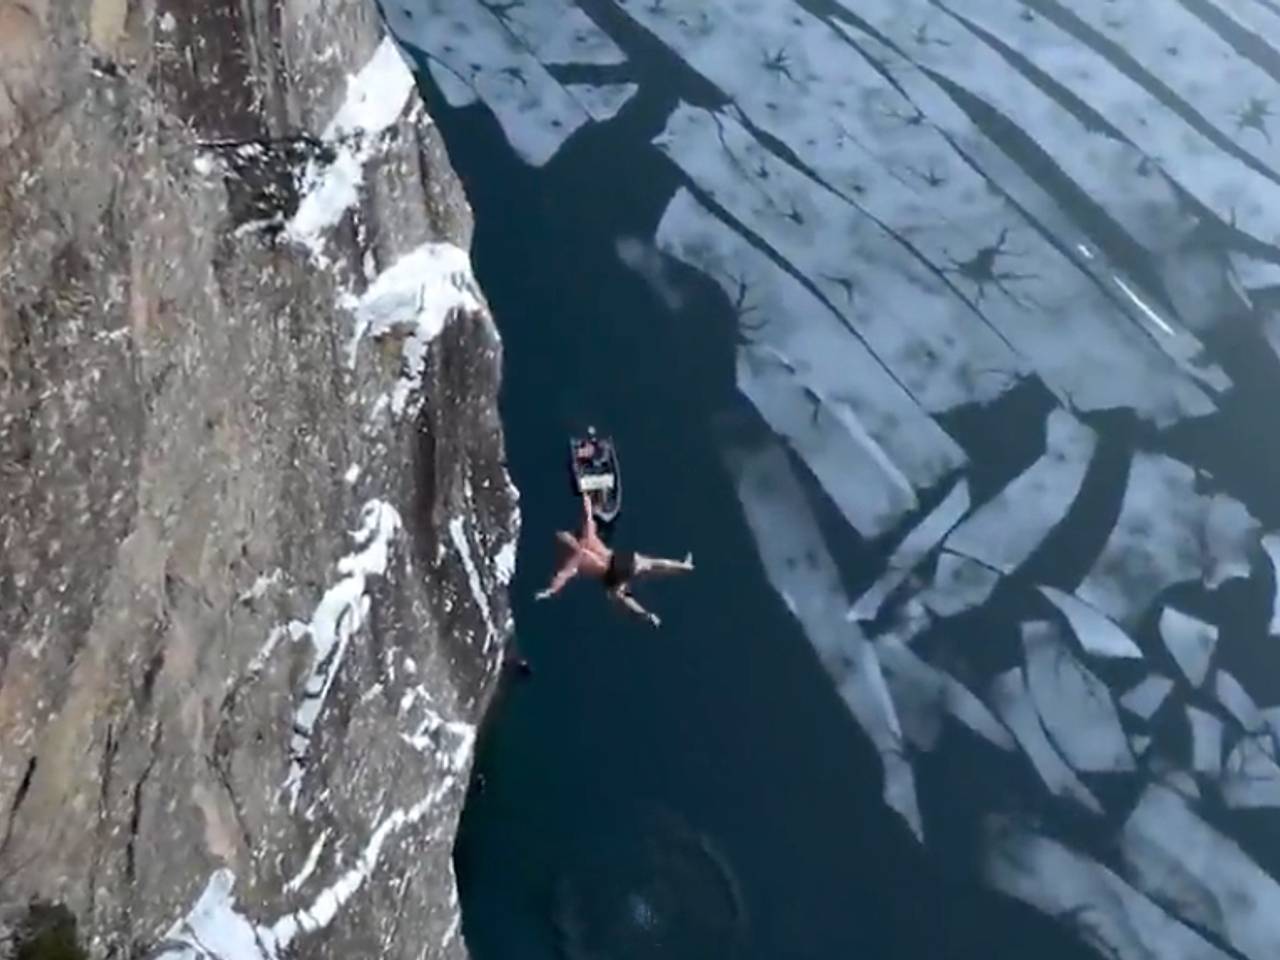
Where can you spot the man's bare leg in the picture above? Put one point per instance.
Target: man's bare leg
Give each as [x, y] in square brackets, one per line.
[646, 565]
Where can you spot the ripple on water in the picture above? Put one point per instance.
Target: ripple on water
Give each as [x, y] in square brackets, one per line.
[669, 892]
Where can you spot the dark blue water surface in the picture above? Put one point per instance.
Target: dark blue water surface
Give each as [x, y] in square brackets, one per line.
[697, 791]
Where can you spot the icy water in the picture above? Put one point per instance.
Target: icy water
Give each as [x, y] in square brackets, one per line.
[957, 316]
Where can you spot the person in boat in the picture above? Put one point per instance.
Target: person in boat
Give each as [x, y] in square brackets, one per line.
[616, 569]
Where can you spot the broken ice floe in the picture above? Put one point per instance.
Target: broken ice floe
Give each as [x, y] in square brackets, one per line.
[922, 694]
[875, 168]
[1098, 634]
[413, 298]
[1074, 705]
[603, 102]
[1118, 920]
[1126, 176]
[1190, 641]
[1232, 189]
[500, 54]
[337, 618]
[1250, 776]
[1182, 52]
[1185, 864]
[1013, 703]
[1148, 696]
[1167, 532]
[799, 567]
[915, 546]
[1239, 704]
[926, 337]
[1005, 531]
[1206, 741]
[376, 97]
[959, 583]
[863, 437]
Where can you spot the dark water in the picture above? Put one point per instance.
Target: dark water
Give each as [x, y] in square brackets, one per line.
[697, 791]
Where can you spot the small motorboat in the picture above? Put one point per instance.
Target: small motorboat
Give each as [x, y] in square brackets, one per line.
[594, 462]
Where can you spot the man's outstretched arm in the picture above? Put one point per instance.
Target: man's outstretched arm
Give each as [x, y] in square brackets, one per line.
[588, 518]
[563, 576]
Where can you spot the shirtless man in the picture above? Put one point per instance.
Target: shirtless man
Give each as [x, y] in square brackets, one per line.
[616, 568]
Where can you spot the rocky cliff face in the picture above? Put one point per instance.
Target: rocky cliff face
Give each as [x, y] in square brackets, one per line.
[254, 521]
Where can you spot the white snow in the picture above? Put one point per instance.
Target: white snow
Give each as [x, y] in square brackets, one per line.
[1206, 741]
[1190, 641]
[1191, 868]
[309, 866]
[504, 564]
[1108, 913]
[414, 298]
[1148, 696]
[1012, 702]
[959, 583]
[1074, 705]
[1098, 634]
[915, 546]
[337, 618]
[931, 342]
[1006, 530]
[458, 535]
[261, 585]
[376, 97]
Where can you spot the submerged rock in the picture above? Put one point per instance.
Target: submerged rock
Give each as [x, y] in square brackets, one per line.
[253, 507]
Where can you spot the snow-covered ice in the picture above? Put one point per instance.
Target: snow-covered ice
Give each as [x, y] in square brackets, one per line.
[1006, 530]
[1148, 696]
[801, 570]
[915, 546]
[1074, 705]
[1191, 642]
[1012, 702]
[1097, 633]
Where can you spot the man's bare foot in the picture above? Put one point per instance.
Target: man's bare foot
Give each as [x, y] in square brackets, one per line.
[688, 560]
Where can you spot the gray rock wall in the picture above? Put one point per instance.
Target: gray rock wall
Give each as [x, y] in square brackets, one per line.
[252, 566]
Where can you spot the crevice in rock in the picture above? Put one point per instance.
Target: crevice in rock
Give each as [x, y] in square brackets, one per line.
[21, 794]
[220, 762]
[135, 814]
